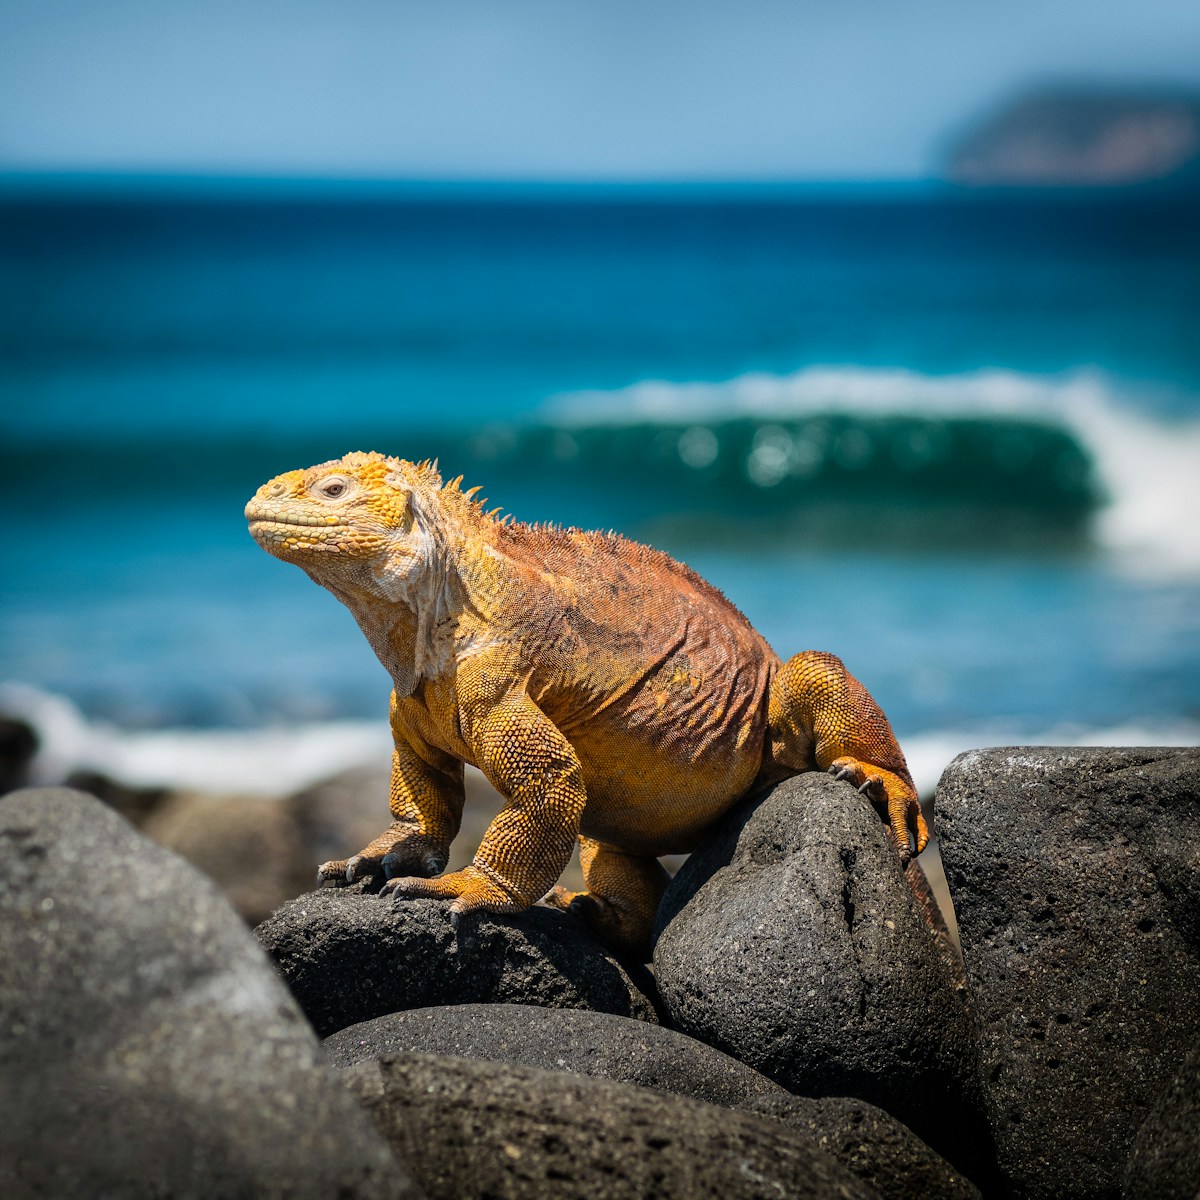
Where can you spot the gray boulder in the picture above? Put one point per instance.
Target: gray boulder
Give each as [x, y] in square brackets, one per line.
[1165, 1163]
[874, 1146]
[585, 1043]
[487, 1129]
[147, 1047]
[1074, 875]
[350, 955]
[792, 940]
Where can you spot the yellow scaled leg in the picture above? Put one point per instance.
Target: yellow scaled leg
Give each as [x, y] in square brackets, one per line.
[820, 715]
[623, 891]
[526, 847]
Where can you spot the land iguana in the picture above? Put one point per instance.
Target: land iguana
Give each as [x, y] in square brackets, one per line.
[610, 693]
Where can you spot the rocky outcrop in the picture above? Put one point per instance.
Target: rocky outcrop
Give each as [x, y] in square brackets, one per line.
[146, 1046]
[487, 1129]
[1074, 878]
[1083, 137]
[350, 955]
[792, 941]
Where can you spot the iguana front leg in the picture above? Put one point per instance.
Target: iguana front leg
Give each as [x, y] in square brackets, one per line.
[527, 846]
[426, 801]
[820, 715]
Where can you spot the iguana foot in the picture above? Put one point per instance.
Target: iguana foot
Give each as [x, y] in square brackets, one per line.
[625, 931]
[621, 901]
[467, 890]
[390, 855]
[894, 795]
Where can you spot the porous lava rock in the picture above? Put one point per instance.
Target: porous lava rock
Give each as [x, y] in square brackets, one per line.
[1165, 1162]
[1074, 876]
[477, 1129]
[792, 940]
[147, 1047]
[350, 955]
[873, 1145]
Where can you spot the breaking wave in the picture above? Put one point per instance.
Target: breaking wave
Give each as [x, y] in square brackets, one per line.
[896, 457]
[1079, 446]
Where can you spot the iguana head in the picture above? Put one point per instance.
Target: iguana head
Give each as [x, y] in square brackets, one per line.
[354, 518]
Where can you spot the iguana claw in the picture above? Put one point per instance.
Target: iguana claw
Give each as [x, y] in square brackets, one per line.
[893, 794]
[333, 873]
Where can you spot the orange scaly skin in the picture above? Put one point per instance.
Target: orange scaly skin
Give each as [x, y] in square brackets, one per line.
[609, 692]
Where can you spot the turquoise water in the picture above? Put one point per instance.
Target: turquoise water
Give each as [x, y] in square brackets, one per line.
[955, 439]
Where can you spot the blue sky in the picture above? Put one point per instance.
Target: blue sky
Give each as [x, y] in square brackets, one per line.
[547, 89]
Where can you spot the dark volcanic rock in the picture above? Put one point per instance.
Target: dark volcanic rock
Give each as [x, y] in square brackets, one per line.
[349, 955]
[146, 1046]
[487, 1129]
[1165, 1163]
[584, 1043]
[18, 745]
[1074, 874]
[802, 951]
[872, 1144]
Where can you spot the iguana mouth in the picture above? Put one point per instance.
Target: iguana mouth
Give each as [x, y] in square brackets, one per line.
[260, 514]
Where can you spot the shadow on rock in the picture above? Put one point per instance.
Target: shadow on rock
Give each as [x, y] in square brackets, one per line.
[349, 955]
[1165, 1163]
[488, 1129]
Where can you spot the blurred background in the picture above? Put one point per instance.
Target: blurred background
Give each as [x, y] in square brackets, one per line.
[885, 317]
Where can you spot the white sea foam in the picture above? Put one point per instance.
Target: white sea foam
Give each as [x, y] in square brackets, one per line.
[929, 754]
[278, 761]
[1148, 466]
[270, 762]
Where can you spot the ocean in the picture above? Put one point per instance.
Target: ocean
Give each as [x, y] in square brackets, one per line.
[952, 437]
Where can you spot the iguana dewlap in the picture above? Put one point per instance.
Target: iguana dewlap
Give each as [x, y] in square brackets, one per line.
[608, 691]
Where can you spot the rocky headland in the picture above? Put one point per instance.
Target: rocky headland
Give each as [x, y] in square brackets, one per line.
[1083, 137]
[805, 1028]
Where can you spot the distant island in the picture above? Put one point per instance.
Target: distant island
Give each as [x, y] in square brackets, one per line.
[1082, 138]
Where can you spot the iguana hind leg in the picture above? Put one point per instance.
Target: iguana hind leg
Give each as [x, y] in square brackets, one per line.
[821, 716]
[623, 891]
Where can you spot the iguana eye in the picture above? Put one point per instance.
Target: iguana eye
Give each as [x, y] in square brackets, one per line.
[333, 488]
